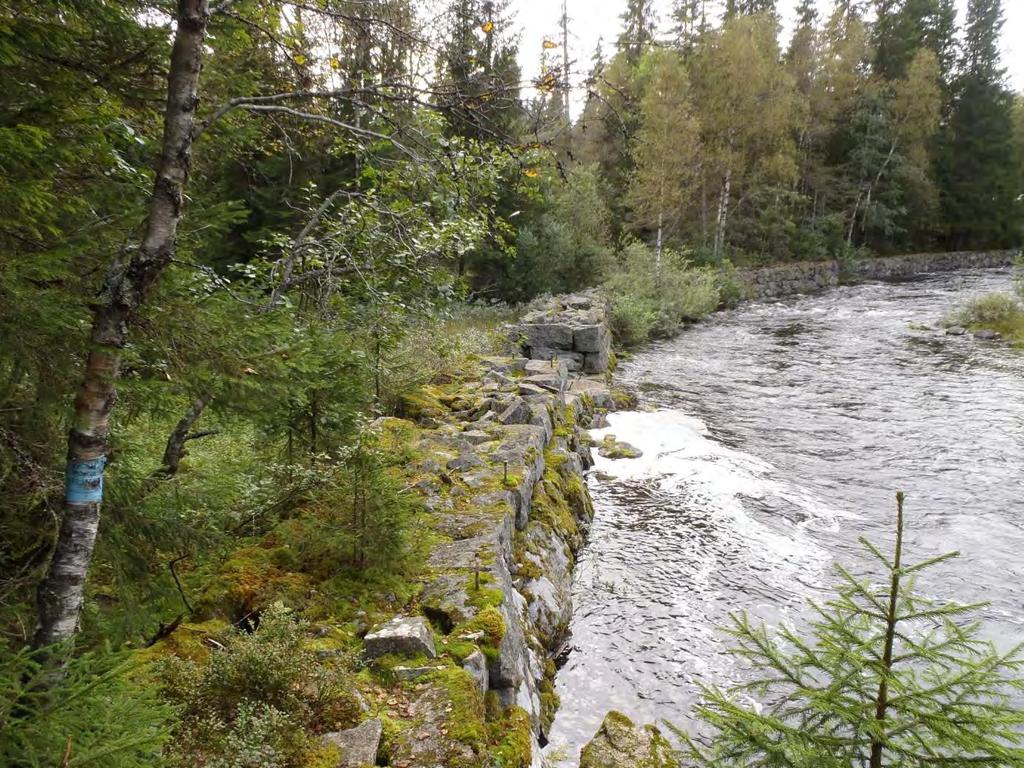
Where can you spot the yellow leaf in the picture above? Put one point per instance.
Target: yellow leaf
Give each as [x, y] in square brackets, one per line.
[299, 59]
[335, 64]
[549, 44]
[487, 27]
[531, 173]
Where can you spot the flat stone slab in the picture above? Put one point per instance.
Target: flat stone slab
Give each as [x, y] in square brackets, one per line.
[402, 636]
[573, 360]
[477, 436]
[358, 745]
[516, 413]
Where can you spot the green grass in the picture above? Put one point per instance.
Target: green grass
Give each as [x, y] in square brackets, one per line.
[999, 312]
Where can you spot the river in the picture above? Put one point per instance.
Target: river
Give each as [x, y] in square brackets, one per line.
[773, 436]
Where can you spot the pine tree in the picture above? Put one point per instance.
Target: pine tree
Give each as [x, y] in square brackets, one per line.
[887, 677]
[479, 73]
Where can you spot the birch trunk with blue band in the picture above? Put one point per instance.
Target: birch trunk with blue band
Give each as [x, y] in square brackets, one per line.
[128, 282]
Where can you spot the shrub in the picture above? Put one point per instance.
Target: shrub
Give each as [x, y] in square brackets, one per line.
[646, 304]
[993, 310]
[255, 702]
[91, 714]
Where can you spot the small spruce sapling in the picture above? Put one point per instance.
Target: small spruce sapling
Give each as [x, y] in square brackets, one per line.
[887, 677]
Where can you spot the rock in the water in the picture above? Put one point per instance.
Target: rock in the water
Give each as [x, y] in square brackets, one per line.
[403, 636]
[358, 745]
[476, 665]
[986, 334]
[956, 330]
[619, 742]
[614, 449]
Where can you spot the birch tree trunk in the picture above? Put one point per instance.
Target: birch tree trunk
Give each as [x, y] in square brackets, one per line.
[129, 280]
[661, 227]
[723, 214]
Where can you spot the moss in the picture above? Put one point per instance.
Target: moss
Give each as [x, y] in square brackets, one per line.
[424, 403]
[252, 577]
[624, 401]
[332, 639]
[490, 622]
[323, 756]
[528, 569]
[466, 717]
[389, 661]
[554, 459]
[394, 731]
[485, 597]
[551, 508]
[515, 747]
[549, 700]
[186, 642]
[459, 650]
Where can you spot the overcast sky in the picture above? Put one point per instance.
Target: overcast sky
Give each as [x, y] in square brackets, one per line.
[590, 20]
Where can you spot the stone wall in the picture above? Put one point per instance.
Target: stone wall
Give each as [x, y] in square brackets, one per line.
[502, 471]
[810, 277]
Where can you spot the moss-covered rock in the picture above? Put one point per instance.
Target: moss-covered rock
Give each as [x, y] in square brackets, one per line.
[514, 740]
[613, 449]
[620, 742]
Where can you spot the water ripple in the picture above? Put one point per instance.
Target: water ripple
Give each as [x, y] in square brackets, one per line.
[774, 435]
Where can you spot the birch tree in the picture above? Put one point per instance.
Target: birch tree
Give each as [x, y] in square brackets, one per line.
[666, 149]
[748, 113]
[129, 280]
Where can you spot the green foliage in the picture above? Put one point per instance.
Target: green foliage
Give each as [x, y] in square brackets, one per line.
[998, 312]
[990, 310]
[90, 713]
[885, 676]
[646, 304]
[257, 700]
[359, 522]
[566, 246]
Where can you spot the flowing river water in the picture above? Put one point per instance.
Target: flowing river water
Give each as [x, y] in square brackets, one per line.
[773, 436]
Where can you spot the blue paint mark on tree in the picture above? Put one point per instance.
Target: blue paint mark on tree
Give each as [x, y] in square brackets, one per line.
[85, 481]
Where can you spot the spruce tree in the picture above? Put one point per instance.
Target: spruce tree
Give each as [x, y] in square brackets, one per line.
[978, 164]
[904, 26]
[887, 677]
[749, 7]
[638, 28]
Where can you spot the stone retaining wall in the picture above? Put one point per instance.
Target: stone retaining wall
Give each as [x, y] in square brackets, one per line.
[810, 277]
[502, 471]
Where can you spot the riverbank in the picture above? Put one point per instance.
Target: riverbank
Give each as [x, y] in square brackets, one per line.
[450, 663]
[811, 277]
